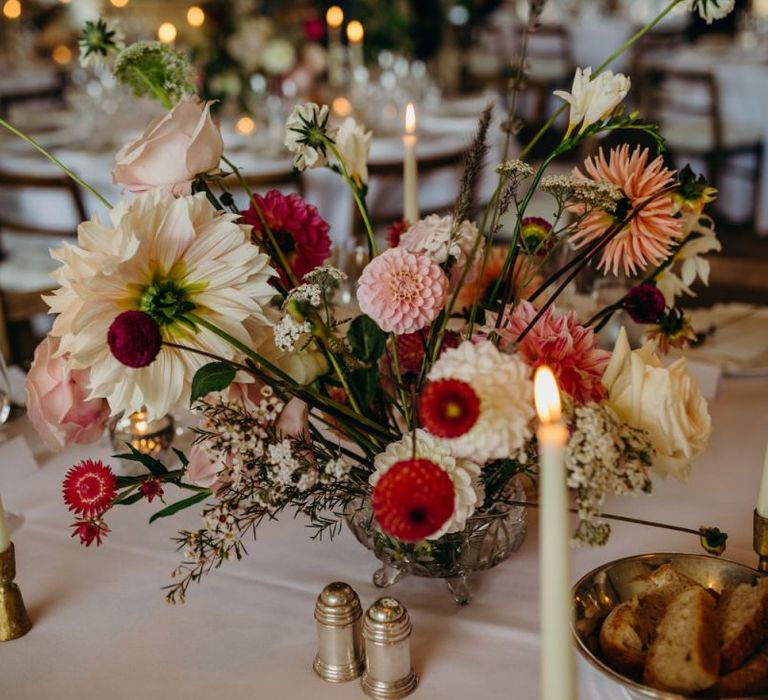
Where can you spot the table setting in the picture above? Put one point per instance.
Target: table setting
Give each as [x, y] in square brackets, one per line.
[236, 465]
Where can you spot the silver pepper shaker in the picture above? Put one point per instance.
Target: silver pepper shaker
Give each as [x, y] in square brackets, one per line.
[388, 672]
[339, 619]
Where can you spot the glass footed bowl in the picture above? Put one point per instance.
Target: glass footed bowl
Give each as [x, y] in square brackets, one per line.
[488, 539]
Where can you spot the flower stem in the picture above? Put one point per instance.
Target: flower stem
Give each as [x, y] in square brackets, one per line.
[356, 194]
[627, 44]
[284, 264]
[55, 161]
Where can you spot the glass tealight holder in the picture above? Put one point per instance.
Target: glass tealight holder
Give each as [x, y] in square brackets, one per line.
[150, 437]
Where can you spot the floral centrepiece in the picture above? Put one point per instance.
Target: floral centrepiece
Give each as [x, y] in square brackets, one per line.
[415, 408]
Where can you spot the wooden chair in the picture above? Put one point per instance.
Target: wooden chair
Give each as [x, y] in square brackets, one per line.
[687, 105]
[54, 92]
[19, 306]
[394, 170]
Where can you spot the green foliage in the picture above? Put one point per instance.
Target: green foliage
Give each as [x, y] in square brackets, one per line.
[366, 339]
[713, 540]
[215, 376]
[180, 505]
[155, 468]
[365, 384]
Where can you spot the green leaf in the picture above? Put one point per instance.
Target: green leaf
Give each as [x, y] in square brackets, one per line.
[129, 499]
[365, 384]
[366, 339]
[182, 458]
[180, 505]
[156, 468]
[215, 376]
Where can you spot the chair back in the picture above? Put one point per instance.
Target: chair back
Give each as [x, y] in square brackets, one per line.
[683, 96]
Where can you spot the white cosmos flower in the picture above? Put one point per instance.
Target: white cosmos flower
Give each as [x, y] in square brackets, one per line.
[710, 10]
[304, 131]
[354, 144]
[503, 384]
[593, 100]
[464, 474]
[168, 257]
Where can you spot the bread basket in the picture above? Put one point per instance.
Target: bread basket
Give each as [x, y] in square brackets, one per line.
[600, 590]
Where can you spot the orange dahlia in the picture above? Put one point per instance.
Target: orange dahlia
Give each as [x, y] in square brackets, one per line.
[648, 238]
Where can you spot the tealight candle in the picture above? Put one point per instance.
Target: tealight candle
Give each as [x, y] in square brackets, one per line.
[558, 673]
[410, 168]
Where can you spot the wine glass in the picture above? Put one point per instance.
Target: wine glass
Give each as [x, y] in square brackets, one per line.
[14, 520]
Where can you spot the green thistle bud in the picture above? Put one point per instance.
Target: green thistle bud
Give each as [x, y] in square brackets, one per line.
[98, 40]
[713, 540]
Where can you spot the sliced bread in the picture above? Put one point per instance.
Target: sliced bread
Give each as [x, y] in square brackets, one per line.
[751, 679]
[743, 619]
[622, 639]
[684, 655]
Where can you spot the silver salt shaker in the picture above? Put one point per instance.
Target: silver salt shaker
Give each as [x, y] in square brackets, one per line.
[339, 619]
[388, 672]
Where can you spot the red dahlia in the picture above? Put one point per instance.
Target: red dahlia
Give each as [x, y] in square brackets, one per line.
[410, 351]
[297, 227]
[134, 338]
[89, 488]
[448, 407]
[90, 531]
[413, 499]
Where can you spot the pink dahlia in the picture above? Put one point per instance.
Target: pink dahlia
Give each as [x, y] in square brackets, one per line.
[648, 238]
[567, 347]
[403, 292]
[298, 229]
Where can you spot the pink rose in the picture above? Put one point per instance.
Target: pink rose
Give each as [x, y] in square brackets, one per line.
[294, 420]
[57, 403]
[203, 469]
[172, 150]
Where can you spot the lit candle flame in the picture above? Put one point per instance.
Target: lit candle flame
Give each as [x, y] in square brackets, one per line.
[546, 395]
[410, 119]
[355, 32]
[334, 17]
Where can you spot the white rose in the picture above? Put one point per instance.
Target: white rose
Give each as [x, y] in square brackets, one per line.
[665, 401]
[593, 100]
[354, 143]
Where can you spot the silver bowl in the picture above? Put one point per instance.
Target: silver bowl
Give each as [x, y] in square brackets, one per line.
[597, 593]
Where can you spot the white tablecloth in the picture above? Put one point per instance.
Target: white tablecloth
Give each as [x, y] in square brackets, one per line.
[102, 629]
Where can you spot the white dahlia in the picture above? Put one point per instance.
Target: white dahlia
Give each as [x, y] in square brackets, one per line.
[503, 385]
[170, 258]
[464, 474]
[432, 236]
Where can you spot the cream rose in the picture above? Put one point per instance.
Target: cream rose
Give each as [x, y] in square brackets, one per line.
[665, 401]
[172, 150]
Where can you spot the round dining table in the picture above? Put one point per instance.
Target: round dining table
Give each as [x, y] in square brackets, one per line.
[101, 627]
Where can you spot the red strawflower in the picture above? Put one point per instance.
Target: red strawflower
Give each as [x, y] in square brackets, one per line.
[397, 229]
[448, 407]
[89, 488]
[152, 488]
[90, 531]
[413, 499]
[645, 303]
[134, 338]
[298, 229]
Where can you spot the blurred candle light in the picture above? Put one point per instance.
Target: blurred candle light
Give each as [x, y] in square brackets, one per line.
[12, 9]
[245, 126]
[166, 32]
[355, 34]
[341, 106]
[195, 16]
[554, 544]
[410, 167]
[119, 3]
[334, 18]
[62, 54]
[760, 8]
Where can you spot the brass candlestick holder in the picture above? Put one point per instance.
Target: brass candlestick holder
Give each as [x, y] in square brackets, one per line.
[14, 621]
[760, 541]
